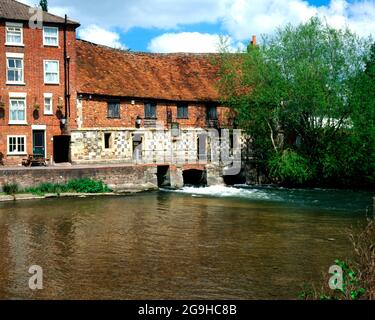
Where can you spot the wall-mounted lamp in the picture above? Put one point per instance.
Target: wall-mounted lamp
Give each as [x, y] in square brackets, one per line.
[63, 122]
[138, 122]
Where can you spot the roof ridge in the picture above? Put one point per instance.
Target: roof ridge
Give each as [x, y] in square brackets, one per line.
[129, 51]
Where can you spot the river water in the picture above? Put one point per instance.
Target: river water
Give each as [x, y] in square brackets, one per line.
[207, 243]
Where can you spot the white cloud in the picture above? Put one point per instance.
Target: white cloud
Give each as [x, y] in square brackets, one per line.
[191, 42]
[164, 14]
[244, 18]
[240, 19]
[99, 35]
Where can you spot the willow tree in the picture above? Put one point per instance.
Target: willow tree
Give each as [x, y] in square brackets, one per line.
[297, 95]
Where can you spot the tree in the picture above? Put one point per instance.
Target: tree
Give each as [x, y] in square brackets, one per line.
[297, 96]
[44, 5]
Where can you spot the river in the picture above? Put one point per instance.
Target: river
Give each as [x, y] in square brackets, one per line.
[206, 243]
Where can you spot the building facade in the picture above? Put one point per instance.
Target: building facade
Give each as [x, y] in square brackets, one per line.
[125, 107]
[32, 82]
[143, 107]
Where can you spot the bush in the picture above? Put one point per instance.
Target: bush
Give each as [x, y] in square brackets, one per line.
[364, 250]
[352, 288]
[359, 276]
[290, 168]
[87, 186]
[80, 186]
[11, 189]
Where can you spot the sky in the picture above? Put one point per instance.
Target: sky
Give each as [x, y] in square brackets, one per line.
[198, 25]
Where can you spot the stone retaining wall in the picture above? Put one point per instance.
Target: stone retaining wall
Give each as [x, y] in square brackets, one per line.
[112, 176]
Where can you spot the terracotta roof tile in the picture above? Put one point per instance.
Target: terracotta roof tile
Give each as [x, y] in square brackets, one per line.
[14, 10]
[178, 77]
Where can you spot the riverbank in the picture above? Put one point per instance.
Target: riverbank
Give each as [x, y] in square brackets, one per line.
[117, 178]
[121, 190]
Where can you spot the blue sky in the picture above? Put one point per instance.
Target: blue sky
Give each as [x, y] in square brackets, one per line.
[197, 25]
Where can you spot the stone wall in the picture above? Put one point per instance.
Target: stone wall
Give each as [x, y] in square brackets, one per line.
[158, 146]
[116, 177]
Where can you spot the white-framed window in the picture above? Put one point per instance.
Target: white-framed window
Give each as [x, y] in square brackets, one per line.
[17, 145]
[14, 34]
[15, 68]
[48, 104]
[51, 36]
[17, 108]
[51, 72]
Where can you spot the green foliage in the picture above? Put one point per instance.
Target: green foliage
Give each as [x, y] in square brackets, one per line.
[312, 83]
[11, 189]
[351, 284]
[352, 288]
[44, 5]
[87, 186]
[79, 186]
[290, 167]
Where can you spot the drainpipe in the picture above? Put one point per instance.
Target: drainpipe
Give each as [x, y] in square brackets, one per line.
[66, 80]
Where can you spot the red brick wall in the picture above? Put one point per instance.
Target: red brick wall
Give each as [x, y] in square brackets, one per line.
[34, 54]
[117, 176]
[95, 114]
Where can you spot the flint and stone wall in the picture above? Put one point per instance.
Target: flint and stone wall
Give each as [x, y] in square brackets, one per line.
[158, 147]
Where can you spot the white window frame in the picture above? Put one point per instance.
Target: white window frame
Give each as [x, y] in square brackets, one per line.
[17, 96]
[58, 71]
[48, 96]
[21, 56]
[44, 37]
[17, 153]
[13, 25]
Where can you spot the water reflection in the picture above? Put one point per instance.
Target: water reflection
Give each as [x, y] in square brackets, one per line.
[167, 246]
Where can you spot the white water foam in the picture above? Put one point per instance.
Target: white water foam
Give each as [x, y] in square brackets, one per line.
[224, 191]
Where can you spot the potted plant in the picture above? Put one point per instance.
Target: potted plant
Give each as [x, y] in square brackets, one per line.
[60, 106]
[36, 110]
[2, 109]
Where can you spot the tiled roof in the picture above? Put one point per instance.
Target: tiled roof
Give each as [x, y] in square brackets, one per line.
[14, 10]
[178, 77]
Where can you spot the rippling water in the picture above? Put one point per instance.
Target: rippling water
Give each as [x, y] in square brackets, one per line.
[209, 243]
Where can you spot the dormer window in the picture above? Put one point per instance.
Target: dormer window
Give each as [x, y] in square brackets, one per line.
[51, 36]
[14, 34]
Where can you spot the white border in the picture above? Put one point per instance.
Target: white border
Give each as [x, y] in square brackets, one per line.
[13, 25]
[58, 71]
[21, 96]
[40, 128]
[17, 153]
[50, 96]
[51, 45]
[15, 56]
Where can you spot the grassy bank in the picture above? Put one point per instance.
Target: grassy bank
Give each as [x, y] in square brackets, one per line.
[74, 186]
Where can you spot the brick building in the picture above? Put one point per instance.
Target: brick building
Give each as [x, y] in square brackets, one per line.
[122, 105]
[132, 100]
[32, 91]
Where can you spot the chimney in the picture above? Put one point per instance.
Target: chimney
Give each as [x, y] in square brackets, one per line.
[254, 41]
